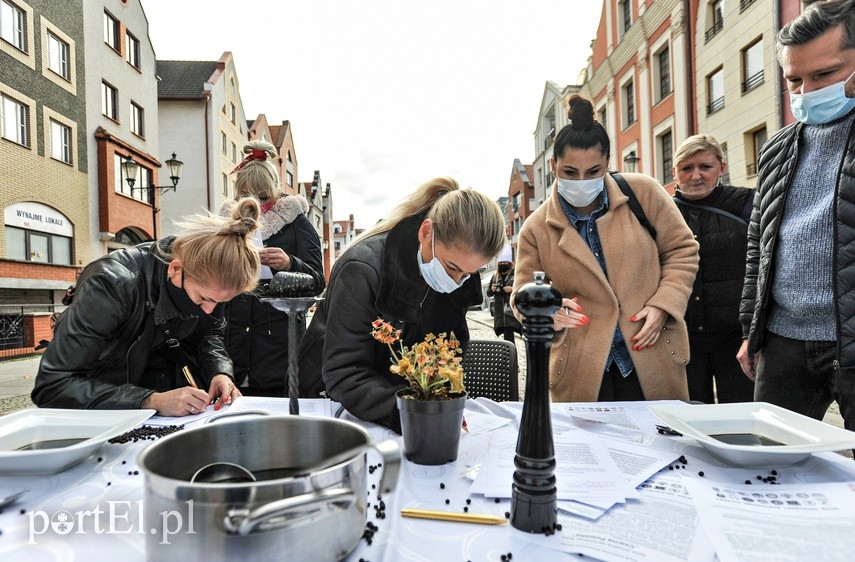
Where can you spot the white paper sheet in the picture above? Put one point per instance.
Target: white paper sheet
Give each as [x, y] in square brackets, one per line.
[265, 272]
[308, 406]
[185, 420]
[584, 469]
[767, 523]
[660, 527]
[478, 423]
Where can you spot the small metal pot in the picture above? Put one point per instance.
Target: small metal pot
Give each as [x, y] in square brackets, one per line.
[316, 516]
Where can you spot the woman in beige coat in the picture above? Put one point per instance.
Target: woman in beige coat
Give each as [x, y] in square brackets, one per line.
[620, 333]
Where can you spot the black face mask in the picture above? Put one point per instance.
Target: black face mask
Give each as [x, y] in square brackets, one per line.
[182, 300]
[504, 269]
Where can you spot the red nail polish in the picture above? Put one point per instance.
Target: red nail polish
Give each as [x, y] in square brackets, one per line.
[579, 308]
[633, 339]
[633, 319]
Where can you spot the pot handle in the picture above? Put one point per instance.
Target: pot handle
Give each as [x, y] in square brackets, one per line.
[391, 453]
[236, 414]
[270, 516]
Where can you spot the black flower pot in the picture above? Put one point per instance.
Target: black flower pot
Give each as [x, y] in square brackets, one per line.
[431, 428]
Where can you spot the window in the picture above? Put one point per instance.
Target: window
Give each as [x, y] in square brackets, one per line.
[754, 142]
[225, 183]
[143, 179]
[743, 5]
[225, 142]
[715, 91]
[625, 15]
[109, 101]
[13, 25]
[601, 117]
[233, 113]
[132, 50]
[111, 31]
[725, 177]
[716, 19]
[752, 66]
[32, 245]
[666, 149]
[628, 92]
[137, 120]
[234, 153]
[664, 67]
[15, 122]
[60, 142]
[289, 178]
[58, 56]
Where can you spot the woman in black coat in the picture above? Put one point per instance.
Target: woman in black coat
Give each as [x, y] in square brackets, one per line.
[257, 336]
[418, 271]
[718, 216]
[504, 321]
[140, 315]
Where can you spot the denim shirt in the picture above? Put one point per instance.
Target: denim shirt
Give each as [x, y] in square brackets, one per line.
[587, 227]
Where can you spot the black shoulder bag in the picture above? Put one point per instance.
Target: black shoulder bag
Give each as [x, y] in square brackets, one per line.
[634, 205]
[722, 212]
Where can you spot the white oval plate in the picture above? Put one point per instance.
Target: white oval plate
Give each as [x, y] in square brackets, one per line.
[25, 427]
[799, 435]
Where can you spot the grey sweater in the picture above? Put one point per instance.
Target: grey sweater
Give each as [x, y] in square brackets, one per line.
[802, 286]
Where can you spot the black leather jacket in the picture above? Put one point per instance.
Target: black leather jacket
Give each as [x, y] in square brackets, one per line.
[714, 305]
[777, 164]
[377, 277]
[110, 337]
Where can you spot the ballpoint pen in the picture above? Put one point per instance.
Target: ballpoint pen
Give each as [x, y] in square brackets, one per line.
[451, 516]
[189, 376]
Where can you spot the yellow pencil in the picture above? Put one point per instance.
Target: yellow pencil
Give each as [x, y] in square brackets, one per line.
[451, 516]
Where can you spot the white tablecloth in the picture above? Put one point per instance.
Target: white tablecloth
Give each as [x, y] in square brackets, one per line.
[115, 482]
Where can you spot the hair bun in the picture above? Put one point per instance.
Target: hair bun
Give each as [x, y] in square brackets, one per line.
[245, 215]
[580, 112]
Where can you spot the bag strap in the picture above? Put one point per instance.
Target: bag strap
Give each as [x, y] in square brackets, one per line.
[634, 205]
[721, 212]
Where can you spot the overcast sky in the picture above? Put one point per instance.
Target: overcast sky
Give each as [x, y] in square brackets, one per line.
[383, 95]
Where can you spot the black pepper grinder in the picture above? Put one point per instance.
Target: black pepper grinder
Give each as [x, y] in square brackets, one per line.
[533, 496]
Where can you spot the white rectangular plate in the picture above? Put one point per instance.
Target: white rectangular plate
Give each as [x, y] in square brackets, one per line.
[798, 435]
[86, 431]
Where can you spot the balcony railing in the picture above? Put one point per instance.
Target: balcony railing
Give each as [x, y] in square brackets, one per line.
[752, 82]
[743, 5]
[716, 105]
[751, 169]
[712, 31]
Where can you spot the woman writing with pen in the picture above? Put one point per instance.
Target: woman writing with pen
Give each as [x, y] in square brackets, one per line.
[145, 328]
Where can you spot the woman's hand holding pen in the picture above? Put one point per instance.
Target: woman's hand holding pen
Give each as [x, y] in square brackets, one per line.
[179, 402]
[570, 315]
[222, 391]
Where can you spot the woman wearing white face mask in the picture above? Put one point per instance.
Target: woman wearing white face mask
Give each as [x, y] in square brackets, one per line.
[620, 333]
[417, 270]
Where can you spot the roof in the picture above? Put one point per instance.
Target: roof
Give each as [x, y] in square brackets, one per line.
[183, 78]
[521, 170]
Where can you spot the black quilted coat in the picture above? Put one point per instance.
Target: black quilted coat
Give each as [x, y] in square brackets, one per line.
[776, 167]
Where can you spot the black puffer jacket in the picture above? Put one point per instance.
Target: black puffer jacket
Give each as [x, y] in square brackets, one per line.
[110, 337]
[714, 304]
[257, 334]
[377, 277]
[777, 165]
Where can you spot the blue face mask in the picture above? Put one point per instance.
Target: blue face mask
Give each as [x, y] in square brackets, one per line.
[823, 105]
[434, 273]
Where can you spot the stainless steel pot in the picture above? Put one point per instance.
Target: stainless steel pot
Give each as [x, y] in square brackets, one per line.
[316, 516]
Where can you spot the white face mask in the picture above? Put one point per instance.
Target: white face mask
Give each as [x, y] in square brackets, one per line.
[580, 193]
[823, 105]
[434, 273]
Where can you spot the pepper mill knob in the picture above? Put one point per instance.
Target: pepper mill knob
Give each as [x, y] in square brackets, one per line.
[538, 301]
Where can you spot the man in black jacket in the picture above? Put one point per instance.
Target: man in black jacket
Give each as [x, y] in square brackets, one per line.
[798, 310]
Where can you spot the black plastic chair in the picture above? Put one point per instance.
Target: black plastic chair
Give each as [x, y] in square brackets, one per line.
[491, 370]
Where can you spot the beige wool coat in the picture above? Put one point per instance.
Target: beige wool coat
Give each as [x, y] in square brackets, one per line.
[641, 272]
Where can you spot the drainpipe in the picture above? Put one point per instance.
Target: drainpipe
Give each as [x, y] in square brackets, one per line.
[690, 72]
[776, 14]
[207, 95]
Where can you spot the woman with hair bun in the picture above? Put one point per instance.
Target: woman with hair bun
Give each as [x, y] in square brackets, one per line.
[620, 333]
[147, 320]
[257, 333]
[417, 270]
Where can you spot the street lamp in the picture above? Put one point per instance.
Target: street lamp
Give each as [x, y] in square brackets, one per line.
[131, 169]
[630, 160]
